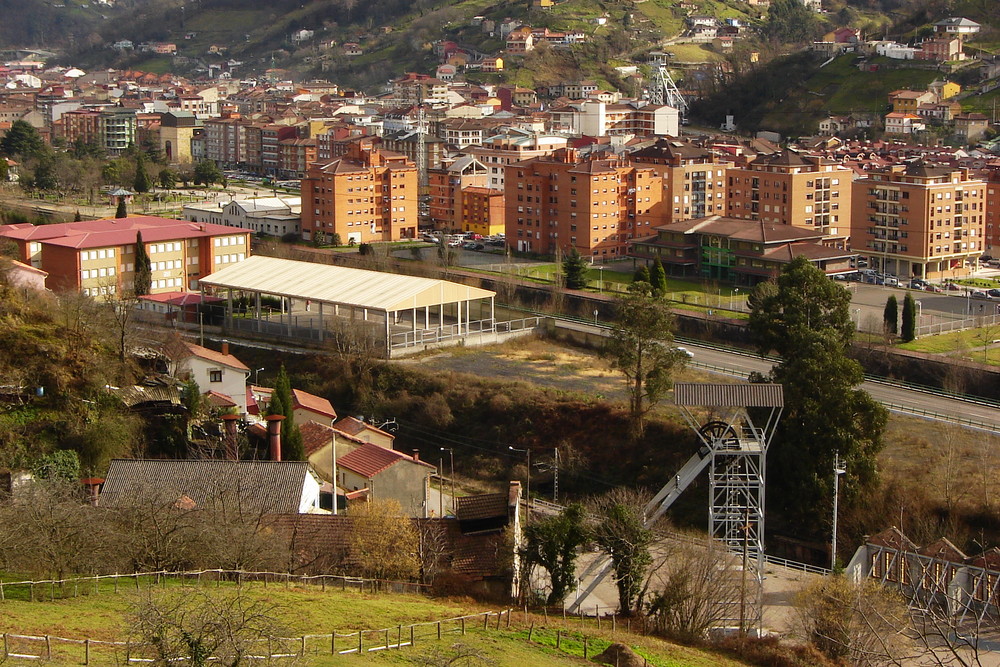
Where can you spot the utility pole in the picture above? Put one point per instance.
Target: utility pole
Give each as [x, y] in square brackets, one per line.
[527, 486]
[334, 447]
[555, 479]
[838, 470]
[451, 455]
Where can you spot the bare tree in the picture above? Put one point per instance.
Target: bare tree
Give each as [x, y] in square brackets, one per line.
[197, 625]
[688, 583]
[861, 623]
[456, 655]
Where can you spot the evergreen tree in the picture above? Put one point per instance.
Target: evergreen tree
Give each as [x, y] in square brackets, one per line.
[890, 316]
[122, 210]
[207, 172]
[142, 278]
[167, 178]
[575, 269]
[78, 217]
[143, 182]
[805, 318]
[641, 275]
[4, 170]
[909, 330]
[22, 140]
[553, 543]
[283, 403]
[658, 278]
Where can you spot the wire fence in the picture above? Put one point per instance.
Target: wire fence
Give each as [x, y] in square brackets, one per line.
[55, 589]
[360, 642]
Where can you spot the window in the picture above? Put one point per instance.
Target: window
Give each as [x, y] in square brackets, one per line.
[215, 376]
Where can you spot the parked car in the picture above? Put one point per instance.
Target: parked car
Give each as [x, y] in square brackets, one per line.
[952, 287]
[917, 283]
[932, 288]
[891, 281]
[995, 293]
[979, 294]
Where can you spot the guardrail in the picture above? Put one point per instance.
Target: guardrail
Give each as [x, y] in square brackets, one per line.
[936, 416]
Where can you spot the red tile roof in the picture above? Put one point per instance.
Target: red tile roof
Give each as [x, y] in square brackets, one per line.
[313, 403]
[369, 460]
[219, 400]
[217, 357]
[353, 426]
[115, 231]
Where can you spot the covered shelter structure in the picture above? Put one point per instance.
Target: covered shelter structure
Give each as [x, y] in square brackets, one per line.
[306, 301]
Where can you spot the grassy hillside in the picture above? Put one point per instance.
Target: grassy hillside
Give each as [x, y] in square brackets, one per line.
[309, 611]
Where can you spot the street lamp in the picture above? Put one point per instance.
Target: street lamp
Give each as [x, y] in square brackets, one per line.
[256, 376]
[527, 486]
[451, 456]
[732, 297]
[600, 279]
[595, 316]
[857, 316]
[838, 470]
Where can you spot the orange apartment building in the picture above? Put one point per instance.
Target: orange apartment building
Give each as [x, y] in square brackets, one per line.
[483, 211]
[445, 185]
[694, 178]
[791, 188]
[594, 205]
[98, 256]
[920, 221]
[366, 195]
[993, 213]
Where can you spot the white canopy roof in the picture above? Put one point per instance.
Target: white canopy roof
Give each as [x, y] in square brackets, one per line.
[337, 284]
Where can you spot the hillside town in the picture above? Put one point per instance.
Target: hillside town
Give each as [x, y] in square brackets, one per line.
[309, 297]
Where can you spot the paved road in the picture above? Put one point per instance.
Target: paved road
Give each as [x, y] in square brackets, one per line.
[897, 398]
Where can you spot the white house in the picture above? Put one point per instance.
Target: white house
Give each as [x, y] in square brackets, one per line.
[274, 216]
[219, 372]
[899, 122]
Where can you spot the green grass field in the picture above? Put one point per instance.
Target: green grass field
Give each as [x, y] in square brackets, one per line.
[844, 88]
[310, 611]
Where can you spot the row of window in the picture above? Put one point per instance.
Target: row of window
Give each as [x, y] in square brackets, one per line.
[103, 253]
[229, 259]
[87, 274]
[221, 241]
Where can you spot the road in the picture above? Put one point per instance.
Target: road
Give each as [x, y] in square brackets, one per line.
[898, 398]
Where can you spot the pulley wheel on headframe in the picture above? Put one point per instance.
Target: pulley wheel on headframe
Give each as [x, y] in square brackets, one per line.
[717, 431]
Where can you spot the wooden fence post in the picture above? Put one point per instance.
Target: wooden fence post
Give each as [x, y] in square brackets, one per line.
[597, 613]
[86, 651]
[585, 647]
[302, 647]
[412, 643]
[1, 591]
[564, 614]
[97, 585]
[463, 626]
[333, 643]
[6, 648]
[508, 618]
[48, 647]
[360, 644]
[614, 622]
[545, 613]
[439, 630]
[530, 630]
[137, 587]
[32, 589]
[558, 640]
[499, 617]
[486, 620]
[52, 590]
[116, 582]
[399, 636]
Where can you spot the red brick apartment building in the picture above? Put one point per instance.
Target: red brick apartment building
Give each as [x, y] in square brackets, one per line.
[565, 201]
[98, 256]
[367, 195]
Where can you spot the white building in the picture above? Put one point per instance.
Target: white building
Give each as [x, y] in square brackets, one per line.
[273, 216]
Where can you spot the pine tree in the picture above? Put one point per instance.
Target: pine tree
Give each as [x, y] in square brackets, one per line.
[78, 217]
[909, 330]
[122, 210]
[142, 279]
[658, 277]
[641, 275]
[890, 316]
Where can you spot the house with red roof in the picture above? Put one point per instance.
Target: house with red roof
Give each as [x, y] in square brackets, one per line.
[388, 474]
[365, 432]
[306, 407]
[219, 374]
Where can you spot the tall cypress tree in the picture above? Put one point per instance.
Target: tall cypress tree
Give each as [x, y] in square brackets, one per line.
[143, 182]
[122, 210]
[142, 279]
[890, 316]
[281, 399]
[909, 330]
[658, 277]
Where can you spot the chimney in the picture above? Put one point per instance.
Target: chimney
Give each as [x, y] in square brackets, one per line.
[416, 454]
[225, 347]
[274, 435]
[232, 452]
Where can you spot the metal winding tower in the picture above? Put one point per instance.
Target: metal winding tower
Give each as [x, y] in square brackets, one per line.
[734, 448]
[663, 89]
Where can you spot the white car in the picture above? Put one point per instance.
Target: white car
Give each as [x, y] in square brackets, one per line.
[686, 352]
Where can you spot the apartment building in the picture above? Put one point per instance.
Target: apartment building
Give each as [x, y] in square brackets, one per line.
[593, 204]
[504, 149]
[920, 221]
[78, 124]
[117, 129]
[445, 186]
[365, 196]
[792, 188]
[483, 211]
[98, 256]
[694, 178]
[992, 205]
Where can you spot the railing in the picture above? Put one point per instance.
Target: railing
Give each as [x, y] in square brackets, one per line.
[92, 584]
[269, 648]
[936, 416]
